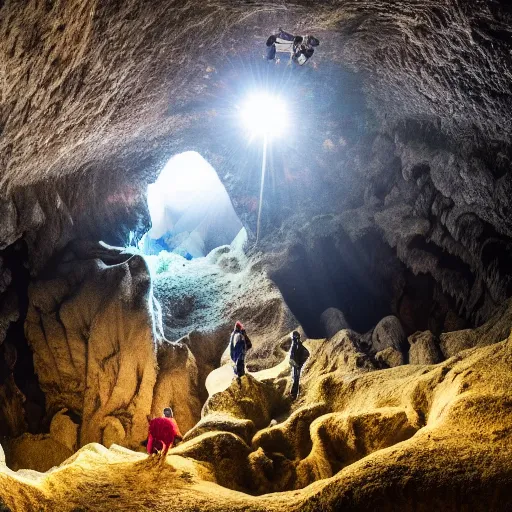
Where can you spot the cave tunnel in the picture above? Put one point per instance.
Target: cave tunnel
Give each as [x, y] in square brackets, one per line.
[191, 213]
[164, 175]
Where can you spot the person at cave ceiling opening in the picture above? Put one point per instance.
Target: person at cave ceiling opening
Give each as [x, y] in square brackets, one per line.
[239, 344]
[298, 357]
[163, 432]
[300, 48]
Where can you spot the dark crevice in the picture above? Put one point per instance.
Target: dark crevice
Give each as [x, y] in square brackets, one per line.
[16, 258]
[444, 258]
[324, 277]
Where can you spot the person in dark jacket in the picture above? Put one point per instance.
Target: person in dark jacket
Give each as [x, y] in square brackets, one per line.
[300, 48]
[162, 433]
[298, 356]
[239, 344]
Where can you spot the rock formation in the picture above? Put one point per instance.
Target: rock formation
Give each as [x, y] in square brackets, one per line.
[424, 348]
[92, 330]
[100, 354]
[385, 229]
[352, 427]
[201, 300]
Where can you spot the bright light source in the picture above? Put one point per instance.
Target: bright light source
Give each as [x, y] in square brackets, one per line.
[264, 114]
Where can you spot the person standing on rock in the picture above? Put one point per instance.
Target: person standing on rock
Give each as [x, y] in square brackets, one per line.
[239, 344]
[298, 356]
[162, 433]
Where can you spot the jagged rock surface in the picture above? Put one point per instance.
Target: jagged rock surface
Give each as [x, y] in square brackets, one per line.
[100, 354]
[201, 300]
[424, 348]
[91, 327]
[353, 427]
[96, 119]
[397, 201]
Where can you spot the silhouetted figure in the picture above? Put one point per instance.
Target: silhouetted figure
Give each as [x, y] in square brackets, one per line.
[239, 344]
[163, 432]
[298, 356]
[300, 48]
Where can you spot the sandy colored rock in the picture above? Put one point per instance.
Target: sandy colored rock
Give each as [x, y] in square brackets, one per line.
[389, 357]
[243, 428]
[201, 300]
[37, 452]
[342, 353]
[177, 384]
[95, 347]
[494, 330]
[424, 348]
[416, 148]
[64, 430]
[113, 432]
[365, 423]
[246, 398]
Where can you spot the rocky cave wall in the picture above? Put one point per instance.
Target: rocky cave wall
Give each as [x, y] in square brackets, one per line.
[400, 171]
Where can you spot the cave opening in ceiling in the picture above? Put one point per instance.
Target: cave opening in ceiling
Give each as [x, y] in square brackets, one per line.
[191, 212]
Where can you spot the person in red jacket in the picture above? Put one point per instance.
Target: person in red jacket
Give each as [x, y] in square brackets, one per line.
[162, 433]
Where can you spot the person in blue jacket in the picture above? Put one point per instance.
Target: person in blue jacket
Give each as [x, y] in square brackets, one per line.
[239, 344]
[298, 356]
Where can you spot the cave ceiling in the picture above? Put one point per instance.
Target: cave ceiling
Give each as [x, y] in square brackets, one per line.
[403, 120]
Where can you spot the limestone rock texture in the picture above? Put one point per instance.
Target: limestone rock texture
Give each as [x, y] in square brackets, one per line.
[202, 299]
[424, 348]
[92, 330]
[385, 238]
[39, 452]
[408, 140]
[435, 434]
[101, 354]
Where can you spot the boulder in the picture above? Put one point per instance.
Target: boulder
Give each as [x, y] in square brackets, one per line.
[389, 357]
[451, 343]
[113, 432]
[38, 452]
[64, 430]
[424, 348]
[333, 320]
[388, 333]
[2, 456]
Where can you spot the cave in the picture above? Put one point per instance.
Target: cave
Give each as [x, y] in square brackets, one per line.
[170, 168]
[191, 213]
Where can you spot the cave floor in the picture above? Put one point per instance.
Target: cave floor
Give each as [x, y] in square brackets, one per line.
[415, 437]
[141, 483]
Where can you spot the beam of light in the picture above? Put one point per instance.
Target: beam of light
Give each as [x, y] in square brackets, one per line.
[266, 116]
[262, 186]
